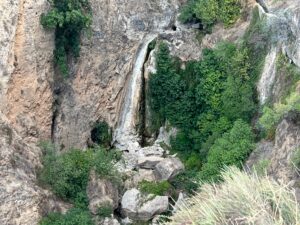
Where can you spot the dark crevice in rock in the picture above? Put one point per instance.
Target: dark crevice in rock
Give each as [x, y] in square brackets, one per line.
[143, 102]
[57, 89]
[263, 5]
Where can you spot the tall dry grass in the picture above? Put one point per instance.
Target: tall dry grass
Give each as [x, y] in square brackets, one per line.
[241, 199]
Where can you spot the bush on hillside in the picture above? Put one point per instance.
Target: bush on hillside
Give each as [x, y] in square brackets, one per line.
[209, 12]
[75, 216]
[67, 174]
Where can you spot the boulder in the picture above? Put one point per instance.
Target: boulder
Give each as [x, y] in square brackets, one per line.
[149, 162]
[110, 221]
[101, 192]
[143, 207]
[156, 206]
[168, 168]
[130, 203]
[137, 176]
[154, 150]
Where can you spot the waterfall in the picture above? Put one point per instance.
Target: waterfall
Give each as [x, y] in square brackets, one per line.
[126, 136]
[268, 76]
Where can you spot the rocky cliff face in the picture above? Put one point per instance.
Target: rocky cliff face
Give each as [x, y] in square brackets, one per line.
[282, 20]
[37, 105]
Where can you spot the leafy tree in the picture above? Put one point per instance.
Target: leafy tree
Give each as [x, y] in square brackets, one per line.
[237, 99]
[230, 11]
[68, 18]
[210, 12]
[207, 11]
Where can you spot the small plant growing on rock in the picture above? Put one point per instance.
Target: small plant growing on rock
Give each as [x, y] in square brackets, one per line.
[75, 216]
[105, 210]
[156, 188]
[262, 166]
[296, 158]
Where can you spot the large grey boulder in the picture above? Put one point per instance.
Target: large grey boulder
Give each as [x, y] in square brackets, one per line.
[168, 168]
[101, 192]
[149, 162]
[110, 221]
[130, 203]
[143, 207]
[156, 206]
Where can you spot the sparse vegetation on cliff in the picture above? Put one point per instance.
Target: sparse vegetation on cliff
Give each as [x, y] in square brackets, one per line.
[156, 188]
[210, 12]
[68, 18]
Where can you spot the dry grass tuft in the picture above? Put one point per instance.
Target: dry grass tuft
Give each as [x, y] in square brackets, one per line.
[242, 199]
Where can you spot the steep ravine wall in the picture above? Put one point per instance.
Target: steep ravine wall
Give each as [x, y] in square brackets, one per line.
[283, 22]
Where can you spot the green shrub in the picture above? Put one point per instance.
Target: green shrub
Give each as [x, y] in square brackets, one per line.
[156, 188]
[230, 11]
[104, 165]
[187, 12]
[193, 162]
[231, 149]
[296, 158]
[101, 134]
[68, 18]
[209, 12]
[186, 181]
[67, 174]
[271, 117]
[262, 166]
[288, 75]
[75, 216]
[105, 210]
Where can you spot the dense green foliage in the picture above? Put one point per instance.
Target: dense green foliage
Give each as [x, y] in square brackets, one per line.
[75, 216]
[231, 149]
[204, 100]
[210, 12]
[101, 134]
[68, 18]
[67, 174]
[156, 188]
